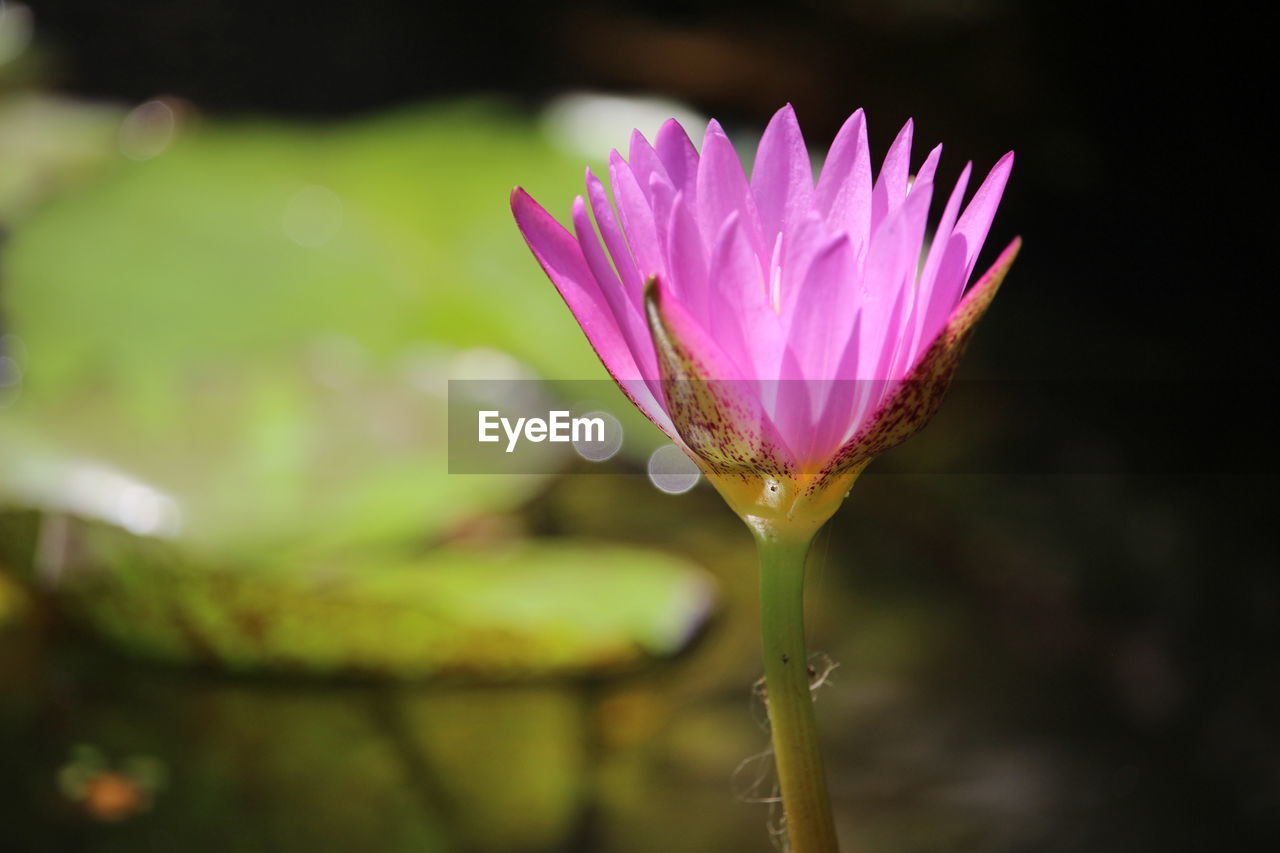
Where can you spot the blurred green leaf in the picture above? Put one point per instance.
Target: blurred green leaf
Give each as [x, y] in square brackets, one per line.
[532, 609]
[238, 352]
[259, 324]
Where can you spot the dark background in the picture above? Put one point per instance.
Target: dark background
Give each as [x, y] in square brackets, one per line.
[1144, 189]
[1142, 132]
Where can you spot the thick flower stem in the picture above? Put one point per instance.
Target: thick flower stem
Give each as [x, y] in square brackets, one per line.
[810, 827]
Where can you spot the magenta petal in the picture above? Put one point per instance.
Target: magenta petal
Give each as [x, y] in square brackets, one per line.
[845, 394]
[716, 410]
[687, 259]
[661, 196]
[782, 177]
[774, 325]
[891, 183]
[561, 258]
[843, 194]
[928, 318]
[825, 307]
[680, 158]
[630, 321]
[723, 191]
[790, 408]
[948, 285]
[915, 213]
[737, 298]
[927, 169]
[818, 333]
[799, 245]
[637, 218]
[646, 166]
[959, 253]
[853, 400]
[614, 240]
[914, 401]
[890, 260]
[976, 219]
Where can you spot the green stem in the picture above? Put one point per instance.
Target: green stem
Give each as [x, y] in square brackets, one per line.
[810, 827]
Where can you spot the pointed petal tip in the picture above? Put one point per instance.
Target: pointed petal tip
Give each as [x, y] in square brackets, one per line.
[521, 204]
[857, 119]
[786, 114]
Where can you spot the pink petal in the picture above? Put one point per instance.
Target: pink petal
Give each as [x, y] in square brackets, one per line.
[738, 301]
[723, 191]
[843, 194]
[614, 240]
[891, 258]
[680, 158]
[799, 245]
[891, 183]
[637, 218]
[928, 319]
[915, 211]
[782, 177]
[927, 169]
[645, 165]
[789, 406]
[846, 413]
[819, 331]
[661, 196]
[687, 259]
[960, 253]
[628, 318]
[716, 411]
[561, 258]
[976, 219]
[825, 307]
[914, 401]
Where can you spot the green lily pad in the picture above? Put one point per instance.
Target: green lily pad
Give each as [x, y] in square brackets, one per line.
[258, 325]
[232, 360]
[533, 609]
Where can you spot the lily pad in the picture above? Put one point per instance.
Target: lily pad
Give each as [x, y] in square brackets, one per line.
[533, 609]
[259, 323]
[231, 361]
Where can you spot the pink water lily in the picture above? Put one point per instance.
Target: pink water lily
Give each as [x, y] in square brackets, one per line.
[774, 326]
[783, 332]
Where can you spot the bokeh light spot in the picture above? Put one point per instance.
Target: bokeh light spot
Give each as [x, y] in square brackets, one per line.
[147, 130]
[672, 471]
[16, 29]
[593, 450]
